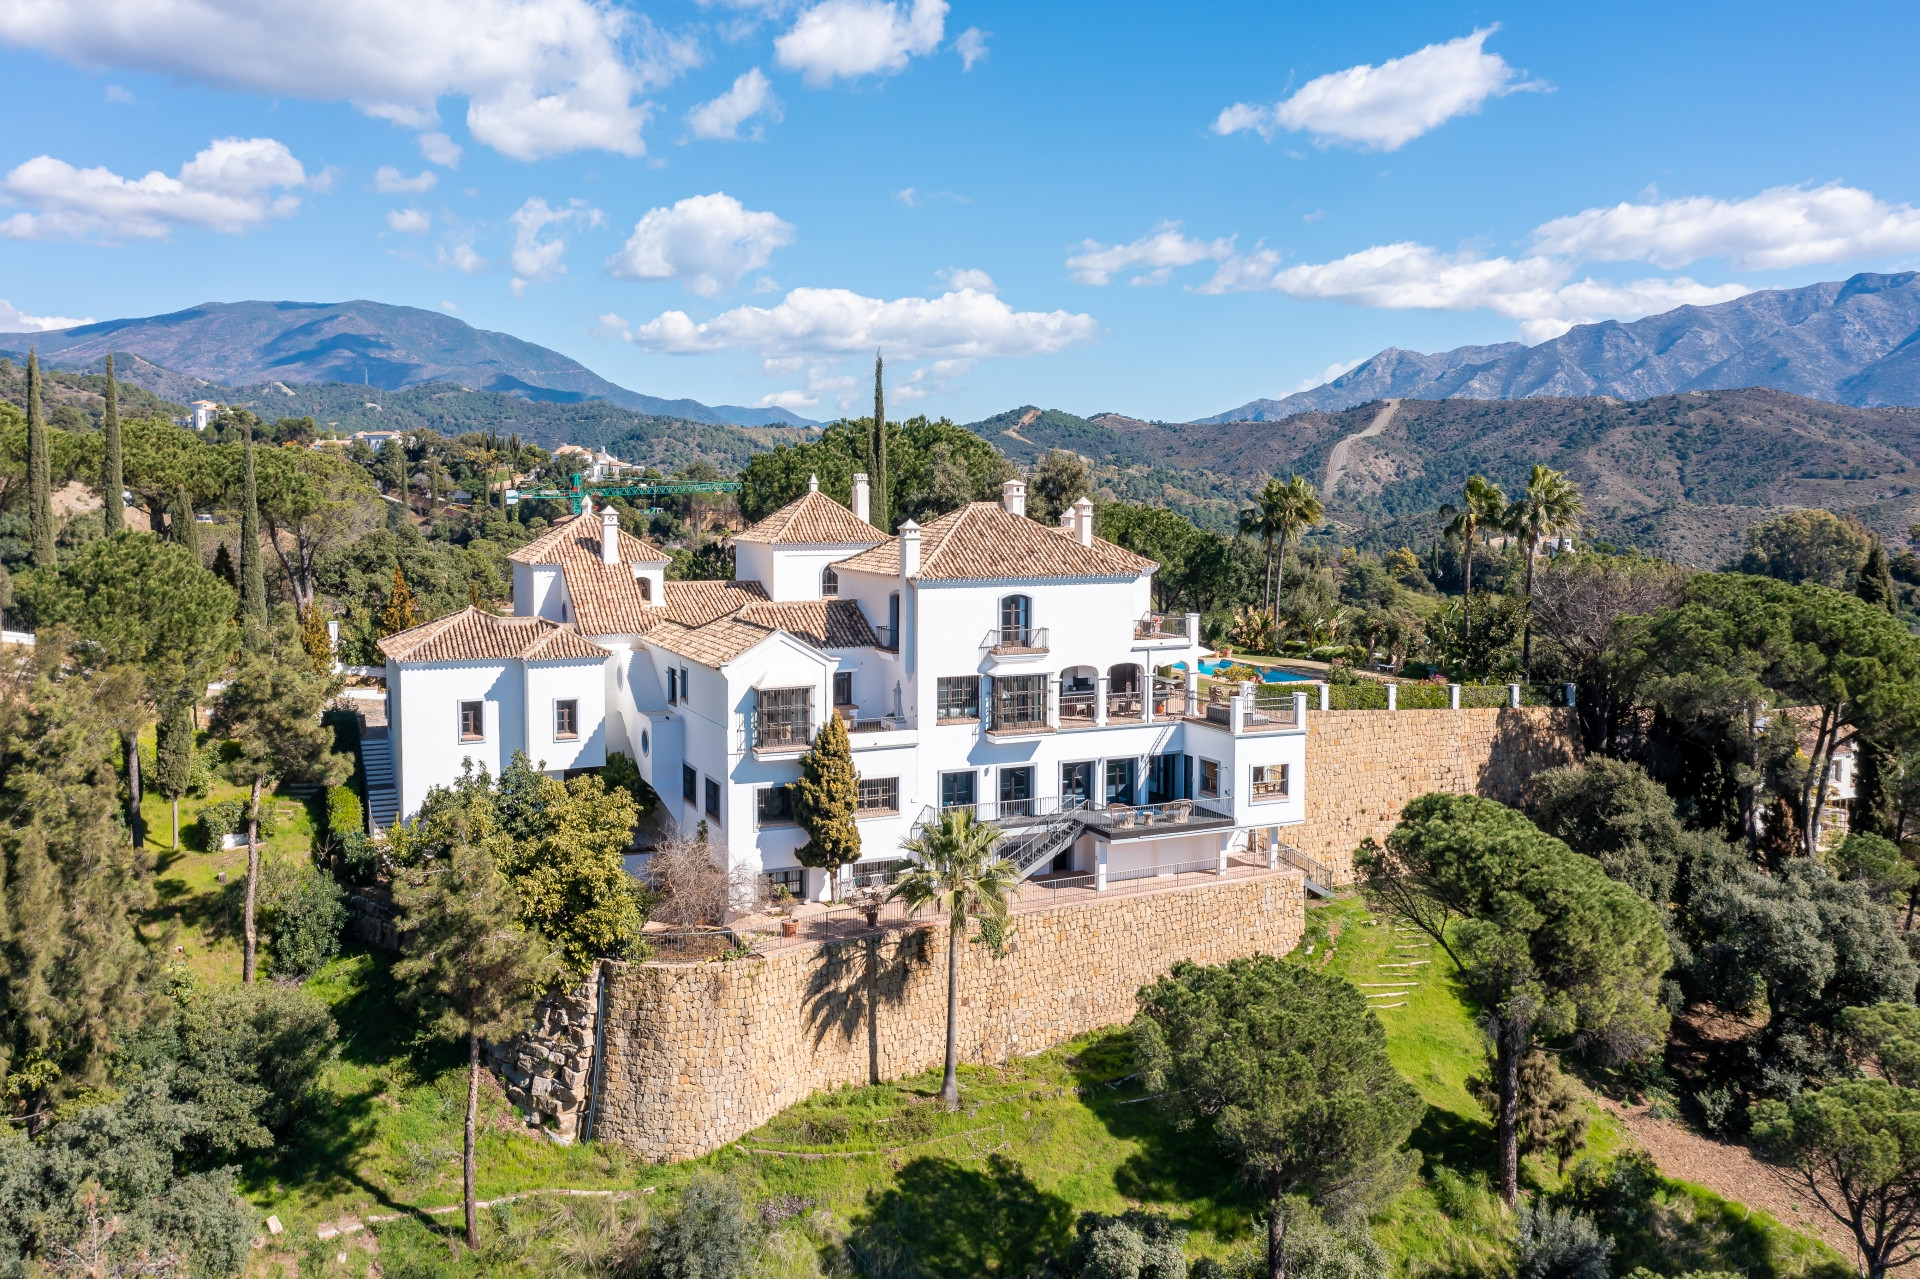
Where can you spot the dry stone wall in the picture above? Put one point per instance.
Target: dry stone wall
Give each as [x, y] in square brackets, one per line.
[697, 1055]
[1363, 767]
[548, 1071]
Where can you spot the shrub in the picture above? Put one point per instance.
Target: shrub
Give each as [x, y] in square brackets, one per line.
[304, 916]
[226, 817]
[1315, 1250]
[357, 858]
[344, 814]
[1136, 1245]
[1236, 674]
[1559, 1243]
[709, 1235]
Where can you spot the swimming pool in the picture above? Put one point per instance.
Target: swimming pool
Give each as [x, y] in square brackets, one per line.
[1268, 675]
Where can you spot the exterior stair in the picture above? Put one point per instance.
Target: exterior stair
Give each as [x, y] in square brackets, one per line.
[376, 765]
[1319, 875]
[1032, 847]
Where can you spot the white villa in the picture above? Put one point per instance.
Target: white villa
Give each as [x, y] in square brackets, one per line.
[985, 660]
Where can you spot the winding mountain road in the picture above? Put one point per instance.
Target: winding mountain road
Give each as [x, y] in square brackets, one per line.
[1337, 460]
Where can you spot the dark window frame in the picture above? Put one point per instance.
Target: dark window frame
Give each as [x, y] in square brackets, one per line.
[877, 797]
[478, 731]
[948, 787]
[1209, 778]
[782, 718]
[566, 719]
[689, 783]
[843, 680]
[1019, 702]
[1016, 620]
[781, 798]
[713, 799]
[1268, 791]
[829, 583]
[968, 703]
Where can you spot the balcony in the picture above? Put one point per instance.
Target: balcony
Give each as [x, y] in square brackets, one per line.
[1161, 626]
[1016, 641]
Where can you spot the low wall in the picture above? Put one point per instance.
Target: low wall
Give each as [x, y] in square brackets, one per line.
[697, 1055]
[1363, 767]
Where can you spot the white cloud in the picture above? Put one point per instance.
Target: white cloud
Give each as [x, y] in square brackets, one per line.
[1539, 292]
[751, 95]
[1780, 227]
[388, 180]
[462, 258]
[534, 258]
[852, 38]
[971, 45]
[440, 149]
[13, 320]
[792, 401]
[1333, 371]
[1387, 106]
[965, 323]
[540, 77]
[707, 242]
[228, 187]
[611, 325]
[409, 221]
[968, 278]
[117, 94]
[449, 307]
[928, 378]
[1160, 250]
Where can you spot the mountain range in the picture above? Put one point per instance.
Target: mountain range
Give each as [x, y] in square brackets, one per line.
[229, 344]
[1853, 341]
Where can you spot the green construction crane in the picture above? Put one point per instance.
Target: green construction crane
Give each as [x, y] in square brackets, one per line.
[578, 490]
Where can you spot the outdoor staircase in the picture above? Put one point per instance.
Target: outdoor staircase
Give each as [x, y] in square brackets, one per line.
[376, 765]
[1032, 847]
[1319, 875]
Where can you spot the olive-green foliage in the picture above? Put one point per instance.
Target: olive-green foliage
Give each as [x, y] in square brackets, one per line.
[247, 1058]
[344, 812]
[1876, 864]
[825, 798]
[253, 579]
[1855, 1147]
[1553, 1116]
[108, 1180]
[1133, 1245]
[1289, 1070]
[271, 707]
[305, 914]
[1314, 1250]
[224, 817]
[923, 483]
[1559, 1243]
[709, 1234]
[621, 773]
[1887, 1037]
[1808, 546]
[1613, 812]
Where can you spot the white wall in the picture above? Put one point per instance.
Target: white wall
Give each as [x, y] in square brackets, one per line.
[788, 572]
[584, 682]
[428, 751]
[538, 591]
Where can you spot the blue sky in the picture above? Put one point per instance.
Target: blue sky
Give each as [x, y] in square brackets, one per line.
[1164, 211]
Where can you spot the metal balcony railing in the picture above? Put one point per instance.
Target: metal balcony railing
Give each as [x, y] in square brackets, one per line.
[1017, 639]
[1078, 704]
[779, 732]
[1161, 626]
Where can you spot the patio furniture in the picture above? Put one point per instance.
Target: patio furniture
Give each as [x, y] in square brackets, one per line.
[1122, 816]
[1179, 810]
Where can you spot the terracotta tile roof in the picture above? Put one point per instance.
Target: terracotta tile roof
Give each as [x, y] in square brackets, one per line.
[813, 519]
[714, 644]
[983, 541]
[821, 623]
[567, 538]
[473, 636]
[697, 603]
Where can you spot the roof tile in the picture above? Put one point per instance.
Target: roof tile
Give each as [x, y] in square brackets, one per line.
[983, 541]
[473, 636]
[813, 519]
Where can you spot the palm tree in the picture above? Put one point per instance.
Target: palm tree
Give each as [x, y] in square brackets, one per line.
[957, 871]
[1484, 507]
[1280, 513]
[1550, 506]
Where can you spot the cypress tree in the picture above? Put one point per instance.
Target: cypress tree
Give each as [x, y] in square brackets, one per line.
[253, 574]
[315, 638]
[880, 492]
[39, 470]
[398, 613]
[183, 528]
[824, 800]
[113, 481]
[1875, 582]
[173, 756]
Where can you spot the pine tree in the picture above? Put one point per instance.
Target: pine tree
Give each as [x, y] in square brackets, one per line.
[173, 756]
[253, 573]
[881, 492]
[824, 800]
[186, 531]
[39, 470]
[113, 478]
[398, 613]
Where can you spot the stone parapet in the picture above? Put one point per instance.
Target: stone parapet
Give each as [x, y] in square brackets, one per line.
[698, 1054]
[1363, 767]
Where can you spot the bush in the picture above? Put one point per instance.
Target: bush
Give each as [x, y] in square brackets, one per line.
[226, 817]
[304, 917]
[344, 814]
[1136, 1245]
[1559, 1243]
[1315, 1250]
[1236, 674]
[709, 1235]
[357, 858]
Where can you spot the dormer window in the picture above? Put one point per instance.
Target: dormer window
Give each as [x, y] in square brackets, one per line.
[829, 583]
[1016, 620]
[646, 589]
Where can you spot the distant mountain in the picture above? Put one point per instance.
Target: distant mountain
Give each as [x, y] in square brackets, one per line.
[1848, 342]
[372, 343]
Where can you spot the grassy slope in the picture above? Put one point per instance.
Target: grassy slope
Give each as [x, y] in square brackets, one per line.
[984, 1191]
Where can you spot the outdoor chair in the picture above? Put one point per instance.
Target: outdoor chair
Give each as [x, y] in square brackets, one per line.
[1122, 816]
[1179, 810]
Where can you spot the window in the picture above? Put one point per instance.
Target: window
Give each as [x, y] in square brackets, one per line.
[1269, 782]
[956, 790]
[473, 721]
[1076, 785]
[783, 717]
[878, 874]
[959, 697]
[773, 805]
[879, 795]
[1163, 778]
[829, 584]
[566, 721]
[689, 784]
[1016, 791]
[713, 799]
[673, 686]
[1016, 620]
[1120, 781]
[1019, 702]
[843, 688]
[1209, 779]
[646, 588]
[793, 882]
[892, 637]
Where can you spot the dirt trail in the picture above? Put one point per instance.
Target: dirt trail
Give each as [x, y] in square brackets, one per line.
[1337, 460]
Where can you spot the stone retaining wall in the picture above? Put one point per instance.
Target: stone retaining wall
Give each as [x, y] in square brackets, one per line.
[697, 1055]
[1363, 767]
[547, 1071]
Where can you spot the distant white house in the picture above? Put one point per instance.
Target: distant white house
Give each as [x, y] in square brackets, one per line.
[202, 413]
[374, 439]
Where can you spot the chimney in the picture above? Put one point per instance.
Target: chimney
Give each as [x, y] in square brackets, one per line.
[861, 503]
[609, 536]
[1013, 496]
[1083, 521]
[1066, 518]
[813, 484]
[909, 549]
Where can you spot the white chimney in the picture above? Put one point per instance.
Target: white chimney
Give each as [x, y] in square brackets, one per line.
[609, 536]
[862, 503]
[586, 504]
[909, 549]
[1013, 496]
[813, 484]
[1083, 521]
[1066, 518]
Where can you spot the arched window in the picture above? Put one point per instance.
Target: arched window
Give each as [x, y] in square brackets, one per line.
[829, 583]
[1016, 620]
[646, 588]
